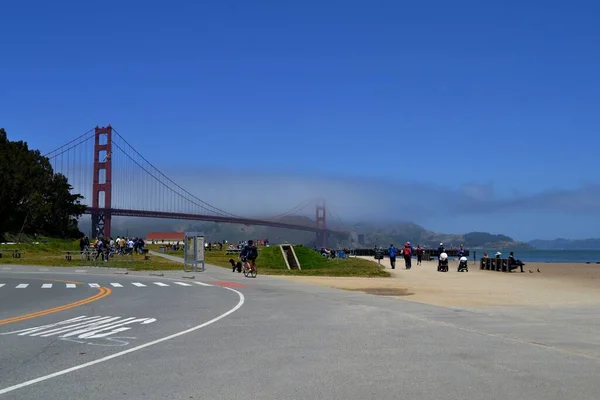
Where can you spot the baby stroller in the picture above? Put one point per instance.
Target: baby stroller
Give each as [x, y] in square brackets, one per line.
[443, 263]
[463, 264]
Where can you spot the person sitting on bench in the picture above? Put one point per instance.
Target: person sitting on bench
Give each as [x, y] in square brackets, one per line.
[513, 263]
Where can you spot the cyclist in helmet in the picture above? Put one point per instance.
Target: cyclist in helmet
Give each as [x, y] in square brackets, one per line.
[249, 254]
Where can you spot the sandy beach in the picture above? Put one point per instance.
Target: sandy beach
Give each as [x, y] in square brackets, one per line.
[554, 285]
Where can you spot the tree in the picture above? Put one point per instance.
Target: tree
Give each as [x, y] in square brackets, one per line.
[34, 199]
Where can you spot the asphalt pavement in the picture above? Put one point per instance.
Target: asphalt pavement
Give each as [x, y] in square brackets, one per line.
[69, 333]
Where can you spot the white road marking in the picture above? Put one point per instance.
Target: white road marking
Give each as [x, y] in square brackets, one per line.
[78, 322]
[7, 268]
[131, 350]
[92, 332]
[84, 327]
[112, 341]
[114, 284]
[81, 270]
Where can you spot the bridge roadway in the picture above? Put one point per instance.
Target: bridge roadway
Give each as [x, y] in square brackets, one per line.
[165, 337]
[211, 218]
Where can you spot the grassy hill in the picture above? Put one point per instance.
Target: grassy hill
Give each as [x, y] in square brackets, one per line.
[270, 262]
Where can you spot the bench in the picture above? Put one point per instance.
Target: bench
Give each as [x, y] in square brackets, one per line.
[86, 255]
[494, 264]
[146, 254]
[233, 251]
[16, 253]
[67, 255]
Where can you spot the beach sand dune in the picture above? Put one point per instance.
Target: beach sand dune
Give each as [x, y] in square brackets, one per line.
[554, 285]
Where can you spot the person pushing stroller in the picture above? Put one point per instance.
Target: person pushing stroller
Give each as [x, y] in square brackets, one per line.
[443, 262]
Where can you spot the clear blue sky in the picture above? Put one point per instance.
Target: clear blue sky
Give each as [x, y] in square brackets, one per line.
[416, 95]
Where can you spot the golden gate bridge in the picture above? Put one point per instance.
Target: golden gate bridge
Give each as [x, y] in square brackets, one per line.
[142, 190]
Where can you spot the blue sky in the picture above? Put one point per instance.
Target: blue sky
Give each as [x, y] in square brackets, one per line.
[462, 115]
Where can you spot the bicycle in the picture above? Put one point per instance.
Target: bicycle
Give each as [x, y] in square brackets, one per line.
[249, 268]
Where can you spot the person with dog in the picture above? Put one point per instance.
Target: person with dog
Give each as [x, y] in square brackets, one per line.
[249, 254]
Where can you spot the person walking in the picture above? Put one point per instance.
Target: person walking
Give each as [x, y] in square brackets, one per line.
[407, 253]
[392, 251]
[419, 254]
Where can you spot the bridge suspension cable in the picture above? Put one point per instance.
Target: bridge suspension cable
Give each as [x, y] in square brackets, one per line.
[137, 184]
[334, 216]
[184, 195]
[297, 209]
[71, 145]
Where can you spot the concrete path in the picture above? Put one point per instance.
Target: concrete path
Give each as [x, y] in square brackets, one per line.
[277, 339]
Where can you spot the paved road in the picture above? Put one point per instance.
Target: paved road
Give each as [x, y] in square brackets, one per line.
[280, 340]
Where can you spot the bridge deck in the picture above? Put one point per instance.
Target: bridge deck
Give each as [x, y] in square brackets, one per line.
[203, 217]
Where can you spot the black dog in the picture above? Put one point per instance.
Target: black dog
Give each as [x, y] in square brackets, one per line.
[235, 265]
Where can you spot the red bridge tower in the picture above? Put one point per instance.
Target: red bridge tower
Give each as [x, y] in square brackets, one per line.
[102, 186]
[321, 224]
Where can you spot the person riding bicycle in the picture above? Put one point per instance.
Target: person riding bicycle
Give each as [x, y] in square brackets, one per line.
[249, 253]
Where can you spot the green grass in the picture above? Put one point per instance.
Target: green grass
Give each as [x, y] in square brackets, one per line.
[50, 252]
[270, 262]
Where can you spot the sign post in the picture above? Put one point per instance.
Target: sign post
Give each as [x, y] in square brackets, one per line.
[193, 252]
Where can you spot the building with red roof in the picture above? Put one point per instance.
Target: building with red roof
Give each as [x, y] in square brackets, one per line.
[165, 237]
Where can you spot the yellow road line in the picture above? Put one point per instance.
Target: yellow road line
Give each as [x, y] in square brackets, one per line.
[103, 292]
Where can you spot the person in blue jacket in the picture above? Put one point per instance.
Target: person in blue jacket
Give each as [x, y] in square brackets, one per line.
[392, 251]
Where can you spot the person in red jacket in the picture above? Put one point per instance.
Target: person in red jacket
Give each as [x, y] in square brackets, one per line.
[407, 253]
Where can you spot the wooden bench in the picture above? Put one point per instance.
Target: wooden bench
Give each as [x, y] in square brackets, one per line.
[494, 264]
[233, 251]
[146, 254]
[87, 255]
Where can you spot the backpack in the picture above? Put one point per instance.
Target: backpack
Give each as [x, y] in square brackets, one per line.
[407, 251]
[251, 253]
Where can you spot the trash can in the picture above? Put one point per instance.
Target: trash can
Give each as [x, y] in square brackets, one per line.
[162, 249]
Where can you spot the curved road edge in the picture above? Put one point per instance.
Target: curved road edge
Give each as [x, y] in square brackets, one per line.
[131, 350]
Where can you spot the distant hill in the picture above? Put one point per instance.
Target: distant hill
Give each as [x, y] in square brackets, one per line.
[410, 232]
[566, 244]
